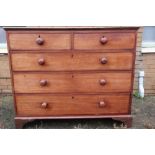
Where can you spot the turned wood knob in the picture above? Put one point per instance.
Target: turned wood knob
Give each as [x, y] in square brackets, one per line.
[44, 105]
[104, 60]
[102, 82]
[102, 104]
[39, 40]
[103, 40]
[41, 61]
[43, 82]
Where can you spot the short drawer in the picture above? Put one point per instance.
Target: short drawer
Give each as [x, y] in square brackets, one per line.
[36, 41]
[71, 61]
[72, 82]
[104, 40]
[53, 105]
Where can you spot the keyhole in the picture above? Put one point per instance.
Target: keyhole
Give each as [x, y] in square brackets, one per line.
[72, 55]
[72, 76]
[72, 97]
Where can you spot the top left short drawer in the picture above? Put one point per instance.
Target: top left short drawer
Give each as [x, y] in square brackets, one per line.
[39, 41]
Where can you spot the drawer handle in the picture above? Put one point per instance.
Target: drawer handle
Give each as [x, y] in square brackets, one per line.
[102, 104]
[102, 82]
[104, 60]
[44, 105]
[103, 40]
[40, 41]
[41, 61]
[43, 82]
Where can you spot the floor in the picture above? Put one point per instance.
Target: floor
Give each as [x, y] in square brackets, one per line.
[143, 111]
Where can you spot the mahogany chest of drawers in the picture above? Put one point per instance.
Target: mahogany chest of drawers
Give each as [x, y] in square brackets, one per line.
[72, 72]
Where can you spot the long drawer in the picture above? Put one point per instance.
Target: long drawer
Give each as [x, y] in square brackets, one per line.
[52, 105]
[37, 41]
[72, 82]
[71, 61]
[105, 40]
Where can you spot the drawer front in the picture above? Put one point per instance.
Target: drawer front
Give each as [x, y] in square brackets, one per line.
[52, 105]
[71, 61]
[72, 82]
[104, 41]
[31, 41]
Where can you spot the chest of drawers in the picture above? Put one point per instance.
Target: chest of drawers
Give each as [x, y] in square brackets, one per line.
[72, 72]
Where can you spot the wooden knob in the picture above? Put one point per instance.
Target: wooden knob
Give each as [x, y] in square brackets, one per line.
[104, 60]
[41, 61]
[43, 82]
[102, 82]
[102, 104]
[44, 105]
[104, 40]
[40, 41]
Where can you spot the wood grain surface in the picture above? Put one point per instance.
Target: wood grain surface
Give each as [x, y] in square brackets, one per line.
[72, 82]
[115, 41]
[71, 61]
[28, 41]
[31, 105]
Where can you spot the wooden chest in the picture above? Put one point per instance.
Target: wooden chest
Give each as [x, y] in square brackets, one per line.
[72, 72]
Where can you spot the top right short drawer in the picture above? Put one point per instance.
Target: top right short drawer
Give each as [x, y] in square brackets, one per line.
[104, 40]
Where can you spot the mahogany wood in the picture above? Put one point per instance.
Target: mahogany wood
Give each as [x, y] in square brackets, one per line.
[72, 82]
[71, 61]
[72, 72]
[114, 41]
[28, 41]
[30, 105]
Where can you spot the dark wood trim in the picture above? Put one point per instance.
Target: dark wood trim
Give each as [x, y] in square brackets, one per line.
[17, 28]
